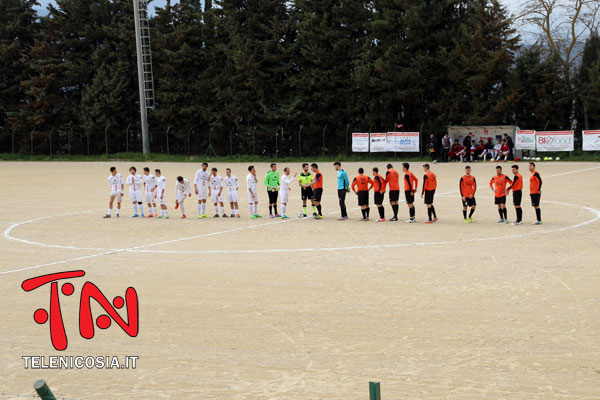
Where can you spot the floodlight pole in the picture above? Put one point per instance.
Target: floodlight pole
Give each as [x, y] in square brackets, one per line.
[141, 84]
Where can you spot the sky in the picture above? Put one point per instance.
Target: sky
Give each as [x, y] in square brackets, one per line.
[512, 5]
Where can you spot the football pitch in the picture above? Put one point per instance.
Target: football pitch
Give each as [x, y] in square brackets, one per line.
[303, 308]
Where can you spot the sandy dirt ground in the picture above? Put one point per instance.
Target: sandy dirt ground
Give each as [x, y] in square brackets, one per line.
[305, 309]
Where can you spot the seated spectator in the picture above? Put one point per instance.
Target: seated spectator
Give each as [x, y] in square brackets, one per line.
[489, 150]
[497, 147]
[455, 150]
[504, 151]
[479, 149]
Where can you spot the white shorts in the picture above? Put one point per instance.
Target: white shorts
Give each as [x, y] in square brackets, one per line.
[250, 200]
[214, 195]
[202, 193]
[135, 197]
[150, 197]
[232, 196]
[285, 195]
[116, 195]
[159, 200]
[181, 197]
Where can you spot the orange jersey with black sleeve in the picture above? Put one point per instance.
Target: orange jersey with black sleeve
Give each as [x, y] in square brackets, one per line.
[429, 181]
[498, 183]
[410, 182]
[392, 179]
[318, 180]
[517, 183]
[362, 183]
[378, 183]
[467, 186]
[535, 182]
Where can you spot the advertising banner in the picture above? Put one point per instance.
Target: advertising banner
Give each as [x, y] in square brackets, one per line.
[403, 141]
[378, 142]
[360, 142]
[591, 140]
[525, 140]
[555, 141]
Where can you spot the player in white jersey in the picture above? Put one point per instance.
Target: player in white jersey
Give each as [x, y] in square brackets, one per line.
[150, 192]
[134, 181]
[201, 189]
[215, 189]
[182, 190]
[115, 182]
[284, 189]
[232, 184]
[251, 181]
[161, 188]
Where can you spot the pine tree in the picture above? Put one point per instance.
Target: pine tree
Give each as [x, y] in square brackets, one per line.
[18, 30]
[588, 84]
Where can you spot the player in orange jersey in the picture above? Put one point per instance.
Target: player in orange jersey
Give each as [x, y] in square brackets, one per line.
[498, 185]
[410, 187]
[429, 186]
[361, 186]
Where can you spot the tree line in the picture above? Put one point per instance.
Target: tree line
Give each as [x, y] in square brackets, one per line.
[277, 77]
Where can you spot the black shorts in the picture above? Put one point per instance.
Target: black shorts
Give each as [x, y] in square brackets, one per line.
[469, 202]
[273, 196]
[394, 195]
[318, 194]
[429, 196]
[379, 197]
[410, 198]
[363, 198]
[517, 195]
[535, 199]
[307, 193]
[500, 200]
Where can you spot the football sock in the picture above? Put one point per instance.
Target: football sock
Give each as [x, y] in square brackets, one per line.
[319, 209]
[538, 213]
[433, 211]
[471, 212]
[465, 213]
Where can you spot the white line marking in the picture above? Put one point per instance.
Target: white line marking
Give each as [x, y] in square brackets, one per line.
[138, 248]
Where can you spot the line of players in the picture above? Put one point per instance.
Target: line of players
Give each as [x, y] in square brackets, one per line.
[207, 184]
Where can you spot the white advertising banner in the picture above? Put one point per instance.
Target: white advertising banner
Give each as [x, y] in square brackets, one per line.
[378, 142]
[525, 140]
[555, 141]
[591, 140]
[360, 142]
[403, 141]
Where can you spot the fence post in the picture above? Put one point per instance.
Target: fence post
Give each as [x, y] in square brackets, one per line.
[106, 137]
[346, 137]
[87, 135]
[69, 140]
[127, 139]
[167, 136]
[31, 142]
[43, 390]
[12, 140]
[230, 142]
[188, 141]
[323, 146]
[374, 391]
[50, 142]
[300, 141]
[276, 149]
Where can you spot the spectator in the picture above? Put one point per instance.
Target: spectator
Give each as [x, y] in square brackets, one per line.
[479, 149]
[489, 150]
[432, 147]
[511, 146]
[446, 144]
[456, 151]
[504, 151]
[467, 143]
[497, 148]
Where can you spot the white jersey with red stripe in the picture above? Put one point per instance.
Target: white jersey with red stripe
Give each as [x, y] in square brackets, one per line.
[115, 182]
[150, 182]
[134, 182]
